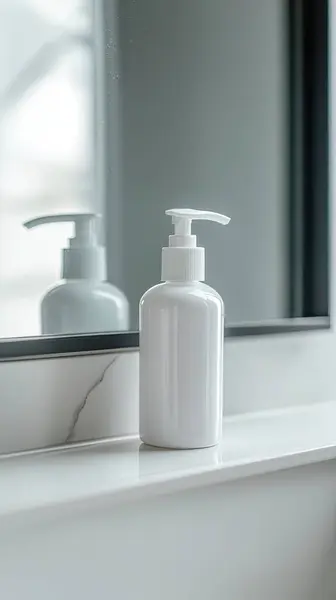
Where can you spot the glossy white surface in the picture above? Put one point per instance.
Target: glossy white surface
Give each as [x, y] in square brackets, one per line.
[181, 365]
[124, 469]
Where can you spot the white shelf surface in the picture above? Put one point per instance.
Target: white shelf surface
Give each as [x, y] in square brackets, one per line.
[123, 469]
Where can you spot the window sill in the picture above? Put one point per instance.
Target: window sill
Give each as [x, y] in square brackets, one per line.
[122, 469]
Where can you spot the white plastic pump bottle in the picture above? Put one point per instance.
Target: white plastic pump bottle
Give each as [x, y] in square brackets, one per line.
[82, 301]
[181, 346]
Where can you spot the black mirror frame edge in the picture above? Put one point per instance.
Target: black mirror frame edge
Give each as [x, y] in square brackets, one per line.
[104, 343]
[308, 108]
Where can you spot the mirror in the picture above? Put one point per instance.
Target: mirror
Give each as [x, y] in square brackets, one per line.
[125, 109]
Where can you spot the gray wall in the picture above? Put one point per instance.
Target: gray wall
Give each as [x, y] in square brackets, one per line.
[203, 102]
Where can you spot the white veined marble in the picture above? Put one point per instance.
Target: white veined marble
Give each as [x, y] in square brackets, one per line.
[56, 401]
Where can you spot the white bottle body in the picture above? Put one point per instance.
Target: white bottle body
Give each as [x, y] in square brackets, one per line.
[181, 365]
[83, 306]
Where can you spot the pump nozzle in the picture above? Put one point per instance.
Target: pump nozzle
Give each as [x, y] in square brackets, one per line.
[182, 218]
[84, 259]
[183, 260]
[85, 231]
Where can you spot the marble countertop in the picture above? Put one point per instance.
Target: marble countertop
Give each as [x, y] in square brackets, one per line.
[123, 469]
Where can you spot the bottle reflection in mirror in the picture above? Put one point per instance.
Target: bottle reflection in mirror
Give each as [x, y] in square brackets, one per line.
[82, 301]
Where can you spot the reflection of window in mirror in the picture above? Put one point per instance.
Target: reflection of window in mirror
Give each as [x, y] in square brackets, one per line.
[45, 146]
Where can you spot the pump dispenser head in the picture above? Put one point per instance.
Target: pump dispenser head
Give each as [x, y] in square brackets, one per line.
[84, 258]
[183, 260]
